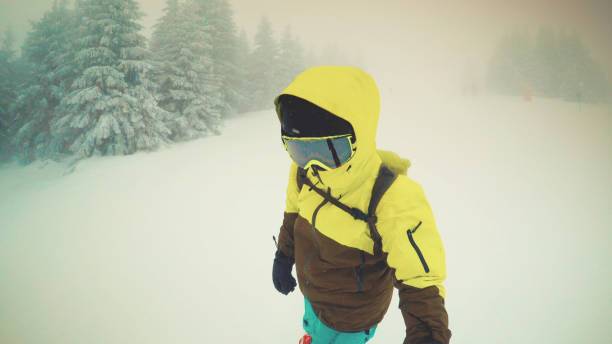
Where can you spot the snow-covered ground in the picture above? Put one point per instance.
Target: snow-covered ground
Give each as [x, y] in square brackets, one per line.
[176, 246]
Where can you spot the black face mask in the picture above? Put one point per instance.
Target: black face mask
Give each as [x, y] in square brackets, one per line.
[301, 118]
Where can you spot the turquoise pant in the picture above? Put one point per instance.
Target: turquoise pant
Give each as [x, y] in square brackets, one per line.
[323, 334]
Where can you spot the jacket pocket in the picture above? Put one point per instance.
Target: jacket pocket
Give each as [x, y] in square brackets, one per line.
[416, 248]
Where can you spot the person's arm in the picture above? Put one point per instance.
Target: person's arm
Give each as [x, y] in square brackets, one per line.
[285, 235]
[414, 250]
[284, 257]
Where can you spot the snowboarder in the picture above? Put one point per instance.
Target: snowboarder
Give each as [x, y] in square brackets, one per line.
[354, 223]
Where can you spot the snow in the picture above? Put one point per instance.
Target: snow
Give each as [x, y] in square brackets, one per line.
[176, 246]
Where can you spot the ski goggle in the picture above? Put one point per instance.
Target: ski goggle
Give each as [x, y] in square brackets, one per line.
[326, 152]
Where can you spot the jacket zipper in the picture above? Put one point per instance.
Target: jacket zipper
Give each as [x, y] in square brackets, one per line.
[416, 247]
[359, 273]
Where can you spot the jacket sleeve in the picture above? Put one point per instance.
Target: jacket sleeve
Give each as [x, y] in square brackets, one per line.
[415, 252]
[285, 236]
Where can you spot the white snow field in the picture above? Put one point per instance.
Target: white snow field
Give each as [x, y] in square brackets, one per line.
[176, 246]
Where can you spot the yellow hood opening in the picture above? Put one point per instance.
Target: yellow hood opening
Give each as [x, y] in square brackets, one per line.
[347, 92]
[351, 94]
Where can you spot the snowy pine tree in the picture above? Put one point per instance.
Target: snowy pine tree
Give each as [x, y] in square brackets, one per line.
[511, 67]
[290, 58]
[554, 64]
[47, 52]
[263, 67]
[188, 87]
[110, 109]
[7, 91]
[547, 60]
[218, 15]
[583, 79]
[243, 84]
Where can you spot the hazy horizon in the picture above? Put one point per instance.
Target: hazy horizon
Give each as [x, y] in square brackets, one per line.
[397, 37]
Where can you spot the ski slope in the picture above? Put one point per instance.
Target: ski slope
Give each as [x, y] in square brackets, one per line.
[176, 246]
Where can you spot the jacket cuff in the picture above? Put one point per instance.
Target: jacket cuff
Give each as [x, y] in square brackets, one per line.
[424, 315]
[283, 258]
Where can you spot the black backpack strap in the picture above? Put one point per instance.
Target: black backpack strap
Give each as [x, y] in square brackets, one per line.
[383, 182]
[356, 213]
[300, 176]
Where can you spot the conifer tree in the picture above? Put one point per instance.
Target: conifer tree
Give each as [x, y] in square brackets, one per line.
[218, 15]
[243, 84]
[512, 67]
[47, 52]
[552, 65]
[582, 78]
[290, 58]
[110, 109]
[263, 66]
[165, 28]
[7, 90]
[187, 85]
[547, 63]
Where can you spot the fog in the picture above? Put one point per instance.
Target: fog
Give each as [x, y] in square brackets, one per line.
[401, 38]
[155, 247]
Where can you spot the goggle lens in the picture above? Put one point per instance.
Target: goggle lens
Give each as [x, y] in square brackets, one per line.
[326, 152]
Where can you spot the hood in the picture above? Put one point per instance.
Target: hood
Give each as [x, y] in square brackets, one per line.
[351, 94]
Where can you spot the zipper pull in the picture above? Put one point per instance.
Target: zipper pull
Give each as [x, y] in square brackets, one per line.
[315, 172]
[275, 242]
[415, 227]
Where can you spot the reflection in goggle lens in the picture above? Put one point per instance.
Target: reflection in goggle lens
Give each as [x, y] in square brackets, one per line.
[327, 152]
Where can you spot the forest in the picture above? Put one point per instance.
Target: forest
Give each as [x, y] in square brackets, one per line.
[88, 82]
[550, 63]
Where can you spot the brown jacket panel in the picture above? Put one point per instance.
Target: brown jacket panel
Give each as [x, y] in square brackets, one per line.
[350, 290]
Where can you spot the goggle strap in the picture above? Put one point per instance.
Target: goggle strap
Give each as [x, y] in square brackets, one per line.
[330, 144]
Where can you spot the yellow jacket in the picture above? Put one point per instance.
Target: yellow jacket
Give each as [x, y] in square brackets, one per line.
[348, 286]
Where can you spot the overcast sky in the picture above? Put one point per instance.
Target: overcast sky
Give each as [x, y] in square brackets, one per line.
[395, 36]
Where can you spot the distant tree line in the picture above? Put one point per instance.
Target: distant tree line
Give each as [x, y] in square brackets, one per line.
[88, 83]
[552, 64]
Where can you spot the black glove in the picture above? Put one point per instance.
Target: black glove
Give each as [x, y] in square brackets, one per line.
[281, 273]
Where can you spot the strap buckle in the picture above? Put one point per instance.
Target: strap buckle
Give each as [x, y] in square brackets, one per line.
[358, 214]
